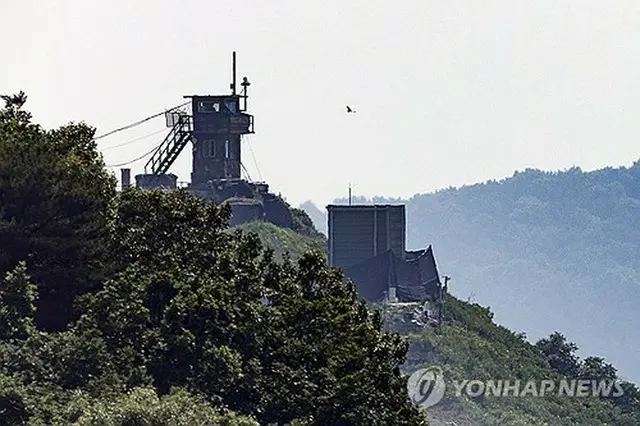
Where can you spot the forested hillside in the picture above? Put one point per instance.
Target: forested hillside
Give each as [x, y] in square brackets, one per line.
[294, 242]
[143, 308]
[470, 346]
[546, 251]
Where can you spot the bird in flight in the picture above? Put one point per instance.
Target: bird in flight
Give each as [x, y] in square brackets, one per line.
[350, 110]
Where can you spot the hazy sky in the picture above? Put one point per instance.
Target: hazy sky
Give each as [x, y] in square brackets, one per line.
[446, 92]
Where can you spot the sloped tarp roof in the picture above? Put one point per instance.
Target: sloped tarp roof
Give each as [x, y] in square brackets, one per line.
[417, 276]
[414, 278]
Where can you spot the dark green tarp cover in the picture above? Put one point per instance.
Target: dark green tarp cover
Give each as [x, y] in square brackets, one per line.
[415, 277]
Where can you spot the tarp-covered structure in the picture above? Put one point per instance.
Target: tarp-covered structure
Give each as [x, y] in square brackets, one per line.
[414, 277]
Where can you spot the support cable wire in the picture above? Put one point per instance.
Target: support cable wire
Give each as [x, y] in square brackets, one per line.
[254, 159]
[137, 123]
[246, 172]
[137, 158]
[133, 140]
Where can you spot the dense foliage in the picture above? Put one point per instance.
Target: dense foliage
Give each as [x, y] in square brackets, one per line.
[546, 251]
[284, 242]
[303, 224]
[157, 314]
[55, 197]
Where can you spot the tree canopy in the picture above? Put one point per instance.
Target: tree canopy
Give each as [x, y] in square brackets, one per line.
[55, 201]
[142, 308]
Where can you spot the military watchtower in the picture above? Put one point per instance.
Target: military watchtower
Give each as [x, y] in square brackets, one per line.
[215, 127]
[218, 124]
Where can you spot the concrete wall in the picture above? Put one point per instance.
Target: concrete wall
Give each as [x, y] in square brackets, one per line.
[271, 207]
[276, 211]
[149, 181]
[245, 212]
[224, 189]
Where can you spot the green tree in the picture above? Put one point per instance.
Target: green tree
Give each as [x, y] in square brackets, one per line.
[196, 307]
[143, 407]
[560, 354]
[55, 198]
[595, 368]
[629, 402]
[13, 409]
[13, 108]
[17, 309]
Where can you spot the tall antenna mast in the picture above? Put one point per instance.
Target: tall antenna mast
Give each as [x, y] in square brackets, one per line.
[233, 83]
[233, 70]
[349, 193]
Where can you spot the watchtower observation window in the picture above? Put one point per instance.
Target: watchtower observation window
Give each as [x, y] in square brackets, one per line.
[208, 106]
[232, 106]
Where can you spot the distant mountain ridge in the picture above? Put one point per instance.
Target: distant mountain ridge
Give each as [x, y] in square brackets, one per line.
[318, 216]
[545, 250]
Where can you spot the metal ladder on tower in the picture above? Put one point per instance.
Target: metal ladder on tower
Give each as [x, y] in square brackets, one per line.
[171, 147]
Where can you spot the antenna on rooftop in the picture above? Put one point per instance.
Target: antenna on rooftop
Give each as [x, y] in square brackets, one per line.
[233, 68]
[234, 85]
[349, 193]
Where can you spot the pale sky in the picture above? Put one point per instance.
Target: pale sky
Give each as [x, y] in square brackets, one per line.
[446, 92]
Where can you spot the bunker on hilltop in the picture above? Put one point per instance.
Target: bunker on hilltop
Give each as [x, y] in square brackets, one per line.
[368, 243]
